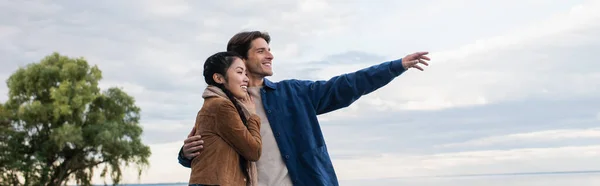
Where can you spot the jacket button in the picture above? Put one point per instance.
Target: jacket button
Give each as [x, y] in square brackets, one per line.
[268, 111]
[277, 134]
[287, 157]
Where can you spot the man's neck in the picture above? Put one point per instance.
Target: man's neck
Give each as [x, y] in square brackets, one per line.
[255, 80]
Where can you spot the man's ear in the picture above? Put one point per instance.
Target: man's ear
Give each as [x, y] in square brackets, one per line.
[218, 78]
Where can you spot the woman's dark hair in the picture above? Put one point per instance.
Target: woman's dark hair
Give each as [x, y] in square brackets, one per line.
[219, 63]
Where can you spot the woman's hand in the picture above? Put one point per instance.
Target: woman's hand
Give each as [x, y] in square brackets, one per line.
[248, 102]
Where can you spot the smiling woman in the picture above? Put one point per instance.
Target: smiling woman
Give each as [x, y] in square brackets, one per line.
[228, 124]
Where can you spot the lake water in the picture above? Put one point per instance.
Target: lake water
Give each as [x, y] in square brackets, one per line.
[562, 179]
[583, 179]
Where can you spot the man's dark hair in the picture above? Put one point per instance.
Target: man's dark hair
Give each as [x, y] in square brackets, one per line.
[240, 42]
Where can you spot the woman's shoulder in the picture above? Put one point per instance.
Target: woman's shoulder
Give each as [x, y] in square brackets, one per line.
[218, 103]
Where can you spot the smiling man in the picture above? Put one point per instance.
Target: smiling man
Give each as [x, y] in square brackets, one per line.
[294, 151]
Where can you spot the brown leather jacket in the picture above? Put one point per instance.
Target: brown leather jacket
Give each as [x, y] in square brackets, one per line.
[225, 138]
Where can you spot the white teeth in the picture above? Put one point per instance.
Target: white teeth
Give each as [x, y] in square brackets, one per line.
[244, 87]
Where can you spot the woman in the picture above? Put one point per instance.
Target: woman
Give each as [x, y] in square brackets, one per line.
[228, 124]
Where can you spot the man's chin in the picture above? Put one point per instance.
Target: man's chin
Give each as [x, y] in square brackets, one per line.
[267, 73]
[262, 74]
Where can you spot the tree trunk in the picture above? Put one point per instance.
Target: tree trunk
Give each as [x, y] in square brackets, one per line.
[60, 173]
[58, 180]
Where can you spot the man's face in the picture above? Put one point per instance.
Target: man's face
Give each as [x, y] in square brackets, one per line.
[259, 58]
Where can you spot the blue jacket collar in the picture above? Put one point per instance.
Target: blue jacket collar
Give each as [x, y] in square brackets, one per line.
[269, 84]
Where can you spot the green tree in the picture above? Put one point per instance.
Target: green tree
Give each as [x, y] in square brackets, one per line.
[57, 126]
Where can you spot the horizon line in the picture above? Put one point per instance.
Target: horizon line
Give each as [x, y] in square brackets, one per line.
[437, 176]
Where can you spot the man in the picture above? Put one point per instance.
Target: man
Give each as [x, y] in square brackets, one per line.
[294, 151]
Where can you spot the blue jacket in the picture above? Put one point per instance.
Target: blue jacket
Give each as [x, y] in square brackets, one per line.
[292, 107]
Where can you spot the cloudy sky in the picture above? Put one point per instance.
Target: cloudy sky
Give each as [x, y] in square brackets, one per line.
[513, 86]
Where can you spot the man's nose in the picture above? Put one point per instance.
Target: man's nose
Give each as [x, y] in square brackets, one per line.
[269, 55]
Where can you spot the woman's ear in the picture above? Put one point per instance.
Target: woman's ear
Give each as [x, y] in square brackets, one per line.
[218, 78]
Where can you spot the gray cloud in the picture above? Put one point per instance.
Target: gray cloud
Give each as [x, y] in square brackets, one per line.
[376, 132]
[309, 70]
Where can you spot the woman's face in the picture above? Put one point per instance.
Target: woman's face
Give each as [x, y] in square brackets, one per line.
[237, 81]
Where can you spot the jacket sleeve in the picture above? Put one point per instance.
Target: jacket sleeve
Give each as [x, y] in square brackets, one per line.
[341, 91]
[245, 140]
[183, 160]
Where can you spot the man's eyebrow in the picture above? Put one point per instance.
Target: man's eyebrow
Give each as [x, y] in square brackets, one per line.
[262, 48]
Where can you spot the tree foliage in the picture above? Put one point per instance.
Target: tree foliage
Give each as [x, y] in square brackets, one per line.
[58, 126]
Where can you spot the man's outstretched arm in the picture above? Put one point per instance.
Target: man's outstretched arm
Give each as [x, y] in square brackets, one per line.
[341, 91]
